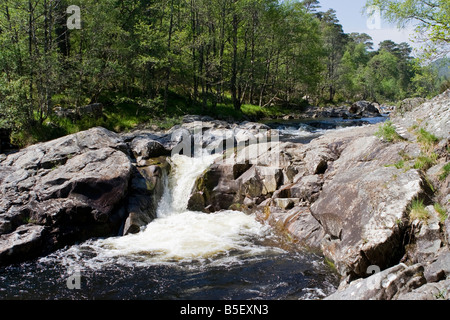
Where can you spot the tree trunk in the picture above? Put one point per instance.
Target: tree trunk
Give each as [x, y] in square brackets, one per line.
[233, 82]
[169, 51]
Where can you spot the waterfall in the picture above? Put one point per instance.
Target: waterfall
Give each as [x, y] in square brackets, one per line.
[222, 255]
[178, 186]
[178, 235]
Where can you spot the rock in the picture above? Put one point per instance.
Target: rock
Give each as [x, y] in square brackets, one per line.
[50, 154]
[439, 269]
[363, 212]
[99, 177]
[364, 109]
[144, 148]
[297, 222]
[147, 187]
[425, 241]
[217, 186]
[307, 188]
[317, 159]
[430, 291]
[384, 285]
[25, 242]
[94, 110]
[363, 204]
[66, 113]
[73, 186]
[286, 203]
[432, 115]
[409, 104]
[197, 202]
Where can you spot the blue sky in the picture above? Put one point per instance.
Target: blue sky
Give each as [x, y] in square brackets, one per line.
[350, 15]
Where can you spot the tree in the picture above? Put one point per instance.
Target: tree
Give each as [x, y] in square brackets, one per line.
[334, 40]
[432, 16]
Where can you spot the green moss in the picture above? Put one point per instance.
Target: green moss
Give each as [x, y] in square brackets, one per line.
[330, 263]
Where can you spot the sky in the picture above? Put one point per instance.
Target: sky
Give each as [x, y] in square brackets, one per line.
[351, 16]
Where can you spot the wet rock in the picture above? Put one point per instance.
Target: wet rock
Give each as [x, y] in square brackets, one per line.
[197, 202]
[147, 187]
[217, 186]
[25, 242]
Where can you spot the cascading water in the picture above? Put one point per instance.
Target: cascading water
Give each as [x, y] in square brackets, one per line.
[181, 235]
[180, 255]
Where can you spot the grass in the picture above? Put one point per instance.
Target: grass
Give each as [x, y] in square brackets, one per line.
[445, 172]
[122, 114]
[418, 211]
[425, 161]
[426, 139]
[387, 132]
[442, 212]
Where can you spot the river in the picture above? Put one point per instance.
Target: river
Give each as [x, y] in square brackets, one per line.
[182, 254]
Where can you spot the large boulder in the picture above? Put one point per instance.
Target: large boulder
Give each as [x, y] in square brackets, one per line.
[432, 115]
[364, 109]
[25, 241]
[363, 211]
[388, 284]
[53, 153]
[69, 189]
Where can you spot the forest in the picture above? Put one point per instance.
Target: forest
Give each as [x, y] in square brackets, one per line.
[154, 60]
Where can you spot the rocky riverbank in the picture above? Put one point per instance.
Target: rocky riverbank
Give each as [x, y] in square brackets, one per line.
[348, 194]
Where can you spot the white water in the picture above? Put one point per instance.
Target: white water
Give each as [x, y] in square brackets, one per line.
[184, 173]
[179, 235]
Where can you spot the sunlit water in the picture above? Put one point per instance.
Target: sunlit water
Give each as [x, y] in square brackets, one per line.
[305, 130]
[180, 255]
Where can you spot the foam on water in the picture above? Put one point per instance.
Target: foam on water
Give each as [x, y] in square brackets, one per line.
[179, 235]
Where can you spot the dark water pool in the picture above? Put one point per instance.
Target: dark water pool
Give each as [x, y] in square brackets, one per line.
[270, 276]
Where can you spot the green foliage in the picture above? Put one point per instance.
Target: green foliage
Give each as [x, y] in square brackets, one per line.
[441, 211]
[400, 164]
[387, 132]
[425, 161]
[431, 18]
[426, 139]
[418, 210]
[168, 58]
[445, 172]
